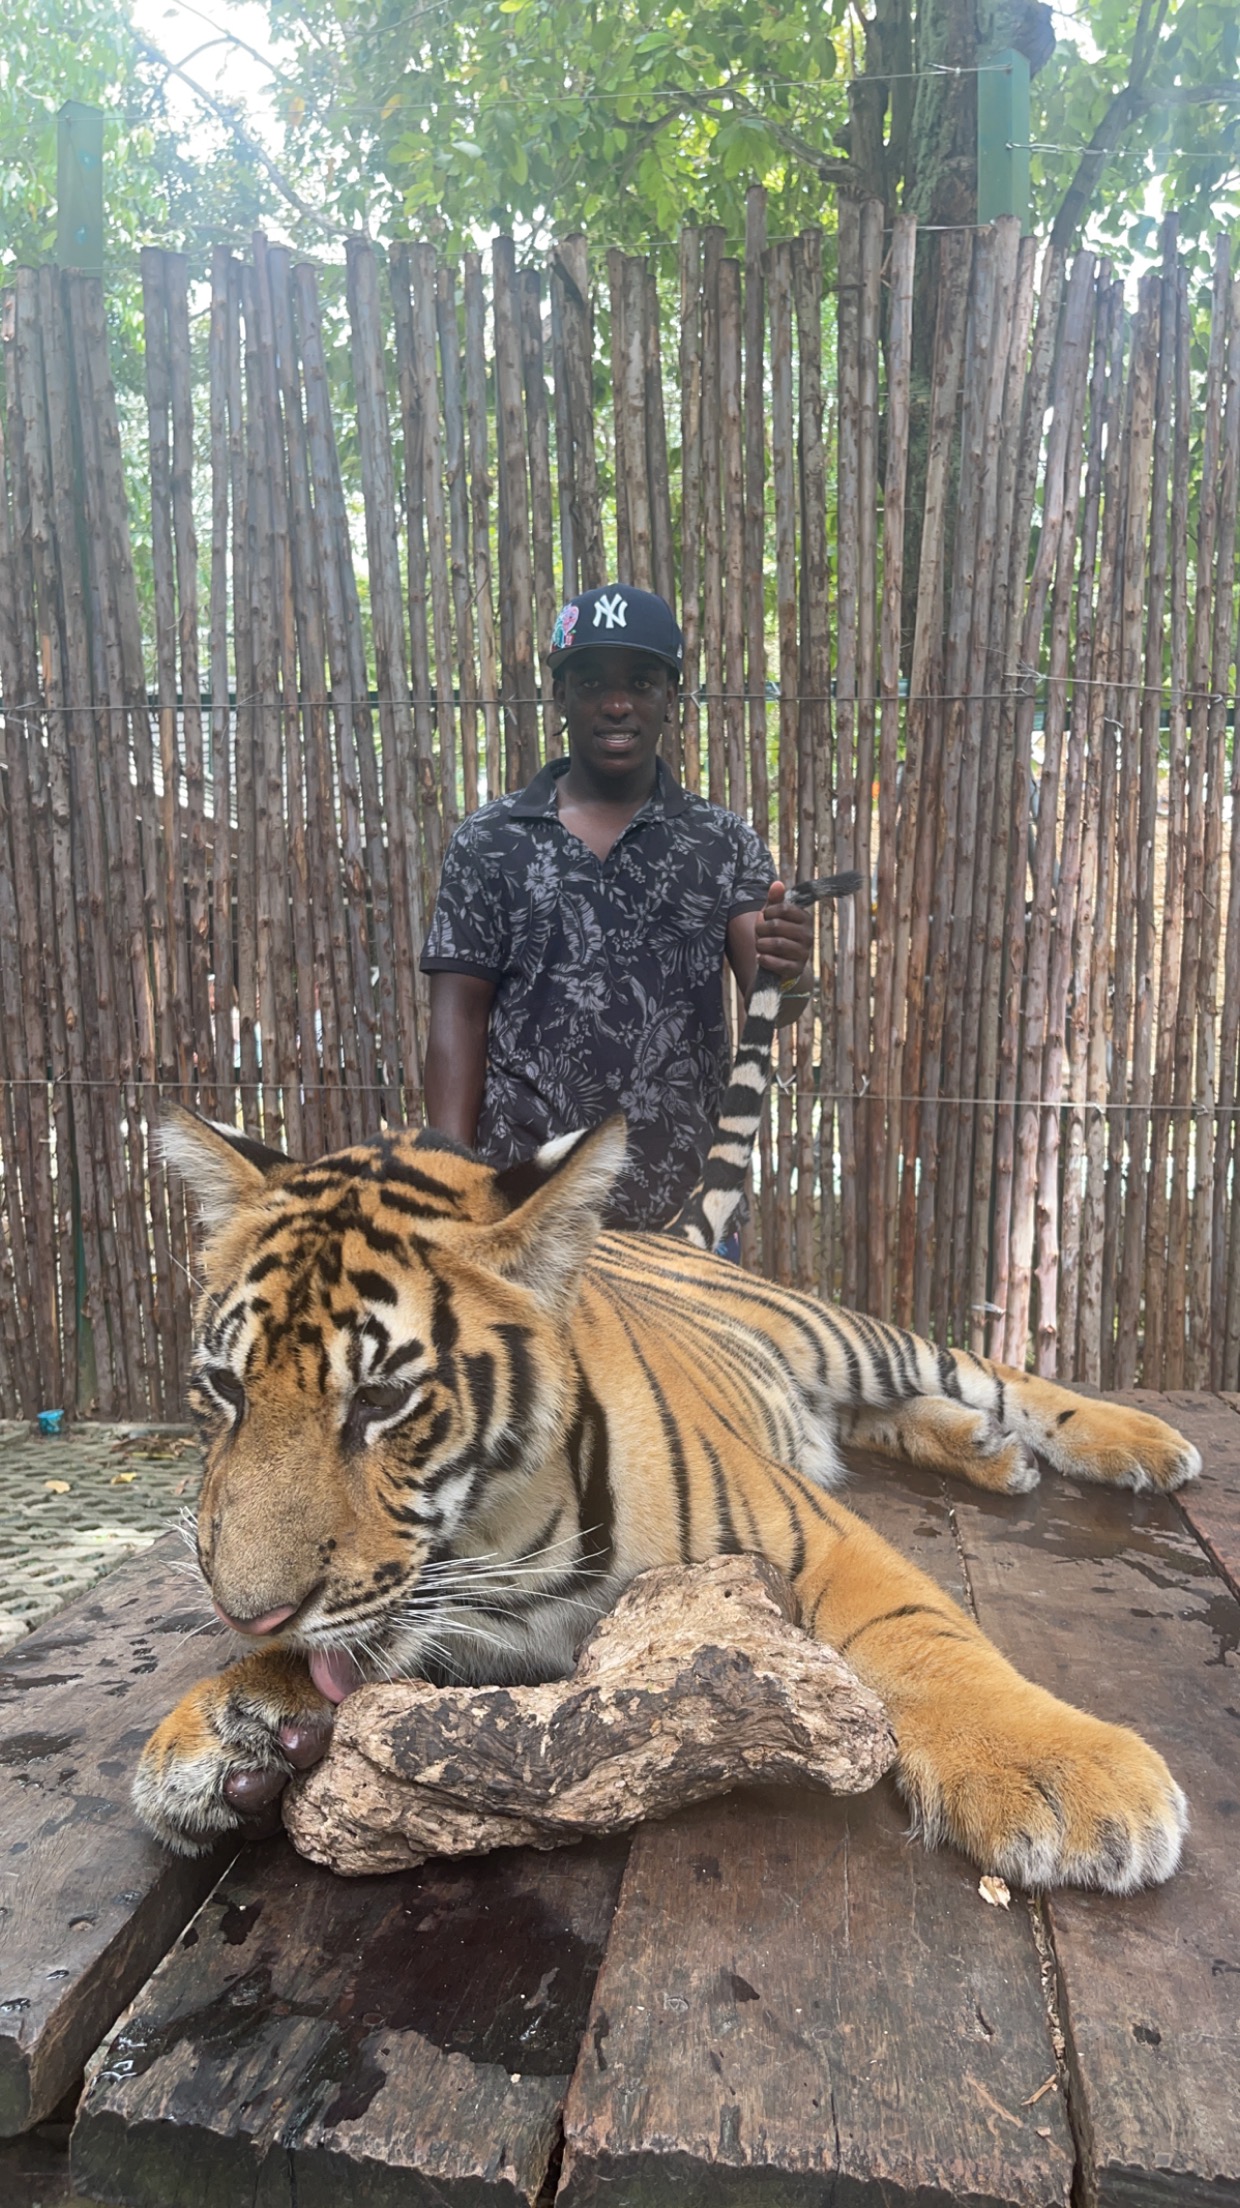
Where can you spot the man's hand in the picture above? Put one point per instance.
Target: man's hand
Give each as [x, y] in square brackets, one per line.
[785, 936]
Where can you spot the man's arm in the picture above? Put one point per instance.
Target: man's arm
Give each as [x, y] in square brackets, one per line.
[456, 1054]
[780, 939]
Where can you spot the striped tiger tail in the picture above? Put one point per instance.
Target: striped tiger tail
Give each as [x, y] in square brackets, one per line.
[707, 1215]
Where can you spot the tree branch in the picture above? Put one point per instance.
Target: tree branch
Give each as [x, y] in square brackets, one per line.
[231, 121]
[1126, 108]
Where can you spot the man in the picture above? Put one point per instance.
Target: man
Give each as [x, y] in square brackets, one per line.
[576, 953]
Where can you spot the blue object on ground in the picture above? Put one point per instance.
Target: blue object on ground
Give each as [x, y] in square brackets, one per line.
[50, 1422]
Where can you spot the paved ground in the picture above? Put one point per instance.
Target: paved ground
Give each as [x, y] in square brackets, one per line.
[72, 1506]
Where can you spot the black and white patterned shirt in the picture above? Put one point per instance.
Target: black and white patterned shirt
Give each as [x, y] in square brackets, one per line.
[608, 975]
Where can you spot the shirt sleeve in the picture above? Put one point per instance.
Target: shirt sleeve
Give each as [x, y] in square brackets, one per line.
[755, 871]
[469, 933]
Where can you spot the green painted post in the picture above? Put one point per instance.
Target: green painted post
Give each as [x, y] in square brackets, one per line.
[79, 187]
[1003, 137]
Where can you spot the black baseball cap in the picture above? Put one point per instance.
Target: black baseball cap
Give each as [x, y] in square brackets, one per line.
[620, 615]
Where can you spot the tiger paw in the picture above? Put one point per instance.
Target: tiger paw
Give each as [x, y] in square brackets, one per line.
[221, 1759]
[1057, 1799]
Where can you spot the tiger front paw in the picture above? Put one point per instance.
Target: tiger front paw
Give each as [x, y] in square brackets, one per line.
[221, 1759]
[1052, 1798]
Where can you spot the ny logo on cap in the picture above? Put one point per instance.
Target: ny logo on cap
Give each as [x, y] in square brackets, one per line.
[613, 611]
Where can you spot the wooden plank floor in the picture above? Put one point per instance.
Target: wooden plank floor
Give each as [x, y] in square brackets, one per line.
[792, 2006]
[88, 1902]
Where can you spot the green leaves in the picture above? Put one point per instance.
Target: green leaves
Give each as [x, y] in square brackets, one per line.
[539, 113]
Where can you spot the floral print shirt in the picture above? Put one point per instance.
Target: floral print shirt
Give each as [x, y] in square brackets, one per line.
[608, 975]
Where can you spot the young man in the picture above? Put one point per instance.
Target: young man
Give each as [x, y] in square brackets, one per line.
[576, 953]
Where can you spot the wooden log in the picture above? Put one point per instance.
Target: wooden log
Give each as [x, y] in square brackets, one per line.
[397, 2040]
[1132, 1268]
[974, 852]
[458, 523]
[1102, 807]
[618, 305]
[1094, 592]
[658, 471]
[1156, 1281]
[1139, 440]
[922, 727]
[732, 487]
[780, 1258]
[712, 538]
[815, 1112]
[243, 660]
[1013, 831]
[292, 898]
[1053, 570]
[20, 678]
[422, 265]
[570, 566]
[631, 440]
[395, 717]
[185, 540]
[480, 517]
[163, 565]
[538, 437]
[333, 966]
[691, 499]
[884, 1111]
[852, 999]
[30, 797]
[1059, 1079]
[722, 2062]
[754, 559]
[869, 336]
[38, 1378]
[90, 1904]
[571, 284]
[291, 936]
[978, 385]
[76, 848]
[1152, 2020]
[367, 886]
[221, 708]
[416, 431]
[696, 1682]
[23, 1379]
[1210, 412]
[130, 1050]
[517, 597]
[994, 805]
[1201, 1350]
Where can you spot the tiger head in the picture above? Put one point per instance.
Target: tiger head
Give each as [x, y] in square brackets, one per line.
[381, 1370]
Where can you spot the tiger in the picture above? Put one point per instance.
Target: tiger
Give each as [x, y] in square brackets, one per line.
[448, 1415]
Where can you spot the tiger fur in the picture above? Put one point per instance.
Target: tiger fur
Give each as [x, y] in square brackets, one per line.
[448, 1417]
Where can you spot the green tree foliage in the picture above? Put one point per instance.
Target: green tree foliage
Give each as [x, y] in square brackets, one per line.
[452, 117]
[610, 116]
[158, 190]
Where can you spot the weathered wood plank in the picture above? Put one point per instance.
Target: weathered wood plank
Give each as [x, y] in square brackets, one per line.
[89, 1903]
[359, 2042]
[798, 2006]
[1108, 1600]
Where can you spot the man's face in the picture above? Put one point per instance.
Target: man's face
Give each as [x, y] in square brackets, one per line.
[616, 705]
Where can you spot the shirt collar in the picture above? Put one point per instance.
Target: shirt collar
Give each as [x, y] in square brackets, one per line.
[537, 800]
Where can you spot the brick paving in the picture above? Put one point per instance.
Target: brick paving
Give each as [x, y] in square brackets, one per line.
[74, 1505]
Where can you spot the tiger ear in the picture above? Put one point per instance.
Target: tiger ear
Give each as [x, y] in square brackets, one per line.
[559, 1197]
[222, 1169]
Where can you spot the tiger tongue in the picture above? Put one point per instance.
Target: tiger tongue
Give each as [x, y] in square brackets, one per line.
[334, 1673]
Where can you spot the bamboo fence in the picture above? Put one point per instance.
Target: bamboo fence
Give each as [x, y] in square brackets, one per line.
[1009, 1115]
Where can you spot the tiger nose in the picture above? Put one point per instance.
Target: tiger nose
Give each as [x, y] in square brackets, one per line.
[256, 1627]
